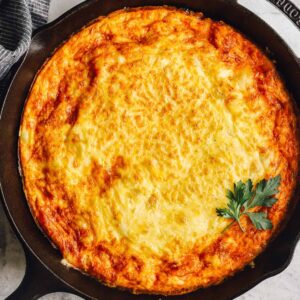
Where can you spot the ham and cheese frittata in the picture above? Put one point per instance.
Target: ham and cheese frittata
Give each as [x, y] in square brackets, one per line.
[133, 131]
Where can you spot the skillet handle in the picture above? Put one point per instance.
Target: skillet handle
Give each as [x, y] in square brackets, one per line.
[37, 281]
[289, 9]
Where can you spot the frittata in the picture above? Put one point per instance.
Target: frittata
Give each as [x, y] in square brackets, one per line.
[131, 134]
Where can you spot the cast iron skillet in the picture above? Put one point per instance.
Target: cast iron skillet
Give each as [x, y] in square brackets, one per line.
[44, 271]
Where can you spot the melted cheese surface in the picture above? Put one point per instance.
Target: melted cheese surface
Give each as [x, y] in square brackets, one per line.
[131, 137]
[176, 139]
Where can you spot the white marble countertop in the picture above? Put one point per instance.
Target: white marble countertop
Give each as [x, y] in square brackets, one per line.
[285, 286]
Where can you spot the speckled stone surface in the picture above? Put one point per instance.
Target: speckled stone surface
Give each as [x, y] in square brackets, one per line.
[285, 286]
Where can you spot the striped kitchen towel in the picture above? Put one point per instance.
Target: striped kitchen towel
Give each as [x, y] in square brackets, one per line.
[18, 18]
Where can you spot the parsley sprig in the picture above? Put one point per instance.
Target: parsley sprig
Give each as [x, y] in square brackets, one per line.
[244, 197]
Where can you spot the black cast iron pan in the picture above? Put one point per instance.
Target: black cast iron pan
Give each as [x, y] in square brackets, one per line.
[44, 271]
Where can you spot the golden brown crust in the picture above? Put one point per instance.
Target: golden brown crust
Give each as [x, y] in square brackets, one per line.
[70, 183]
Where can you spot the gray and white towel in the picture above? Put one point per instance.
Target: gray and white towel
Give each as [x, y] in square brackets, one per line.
[18, 18]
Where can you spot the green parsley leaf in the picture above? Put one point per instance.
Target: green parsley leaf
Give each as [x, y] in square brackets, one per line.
[225, 213]
[244, 197]
[264, 190]
[260, 220]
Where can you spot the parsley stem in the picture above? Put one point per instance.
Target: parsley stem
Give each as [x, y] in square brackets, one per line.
[228, 226]
[238, 220]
